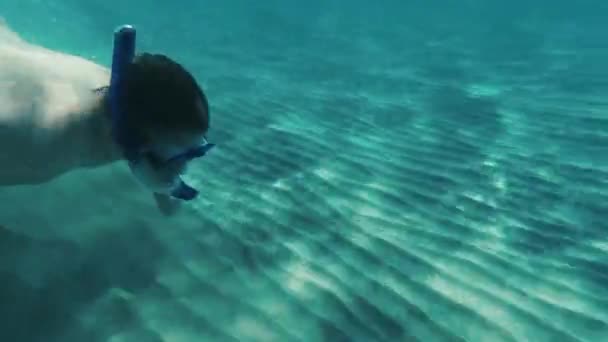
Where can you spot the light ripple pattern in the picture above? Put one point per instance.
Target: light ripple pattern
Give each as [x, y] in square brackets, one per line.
[382, 174]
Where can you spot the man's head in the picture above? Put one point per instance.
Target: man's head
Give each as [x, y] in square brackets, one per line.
[164, 118]
[162, 102]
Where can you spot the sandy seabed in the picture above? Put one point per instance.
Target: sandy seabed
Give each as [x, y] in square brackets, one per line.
[352, 197]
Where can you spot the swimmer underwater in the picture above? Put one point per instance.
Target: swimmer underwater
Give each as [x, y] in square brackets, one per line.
[60, 112]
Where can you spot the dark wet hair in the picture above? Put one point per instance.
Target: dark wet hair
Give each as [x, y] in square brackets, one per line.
[160, 95]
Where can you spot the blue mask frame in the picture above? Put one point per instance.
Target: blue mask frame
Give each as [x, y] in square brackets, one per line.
[123, 55]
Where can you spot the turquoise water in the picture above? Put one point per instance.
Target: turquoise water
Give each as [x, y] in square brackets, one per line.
[385, 171]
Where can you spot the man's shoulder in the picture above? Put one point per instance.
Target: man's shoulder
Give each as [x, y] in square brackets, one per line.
[45, 96]
[42, 84]
[46, 63]
[7, 35]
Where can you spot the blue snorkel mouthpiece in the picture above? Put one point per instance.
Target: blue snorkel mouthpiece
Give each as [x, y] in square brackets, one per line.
[122, 56]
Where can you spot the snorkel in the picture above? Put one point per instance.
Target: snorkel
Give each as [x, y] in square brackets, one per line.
[132, 149]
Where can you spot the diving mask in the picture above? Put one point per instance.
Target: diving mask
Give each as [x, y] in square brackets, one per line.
[163, 175]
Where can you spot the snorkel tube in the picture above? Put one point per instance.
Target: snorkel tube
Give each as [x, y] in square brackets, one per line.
[123, 55]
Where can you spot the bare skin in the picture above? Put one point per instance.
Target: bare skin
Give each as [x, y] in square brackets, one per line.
[51, 121]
